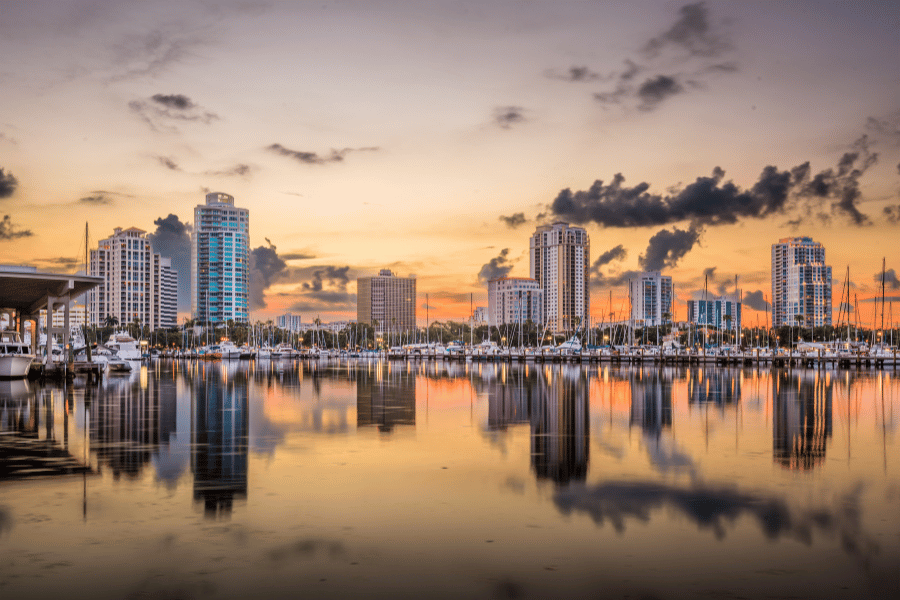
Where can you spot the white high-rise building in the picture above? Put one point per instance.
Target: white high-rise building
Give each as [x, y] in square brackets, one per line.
[801, 283]
[651, 299]
[388, 300]
[168, 295]
[135, 280]
[514, 300]
[289, 322]
[220, 261]
[560, 262]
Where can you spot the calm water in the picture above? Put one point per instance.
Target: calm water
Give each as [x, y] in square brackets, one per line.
[451, 481]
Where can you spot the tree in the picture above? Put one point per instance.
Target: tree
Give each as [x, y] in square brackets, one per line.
[111, 321]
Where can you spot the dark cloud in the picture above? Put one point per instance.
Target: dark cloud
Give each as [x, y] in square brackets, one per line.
[168, 163]
[9, 231]
[617, 253]
[239, 170]
[609, 280]
[514, 220]
[8, 184]
[714, 201]
[507, 116]
[153, 51]
[161, 111]
[755, 300]
[174, 101]
[312, 158]
[330, 276]
[574, 74]
[683, 57]
[172, 239]
[499, 266]
[322, 288]
[692, 34]
[303, 255]
[666, 248]
[97, 199]
[890, 279]
[656, 89]
[886, 127]
[874, 299]
[892, 213]
[265, 267]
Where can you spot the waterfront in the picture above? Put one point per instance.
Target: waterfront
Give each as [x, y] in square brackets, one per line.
[405, 479]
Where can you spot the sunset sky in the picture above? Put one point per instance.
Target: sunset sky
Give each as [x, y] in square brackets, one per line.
[432, 137]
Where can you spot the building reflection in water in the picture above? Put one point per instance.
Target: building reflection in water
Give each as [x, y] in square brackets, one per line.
[802, 418]
[219, 438]
[385, 397]
[124, 424]
[510, 399]
[714, 386]
[560, 432]
[651, 400]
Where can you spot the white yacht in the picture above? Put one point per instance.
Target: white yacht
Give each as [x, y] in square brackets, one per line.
[229, 350]
[15, 356]
[124, 346]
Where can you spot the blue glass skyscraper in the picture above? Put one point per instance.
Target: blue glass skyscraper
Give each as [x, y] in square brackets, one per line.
[220, 261]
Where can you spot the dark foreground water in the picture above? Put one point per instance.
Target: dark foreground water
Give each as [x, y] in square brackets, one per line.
[451, 481]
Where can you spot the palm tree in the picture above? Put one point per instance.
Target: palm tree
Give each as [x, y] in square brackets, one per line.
[111, 321]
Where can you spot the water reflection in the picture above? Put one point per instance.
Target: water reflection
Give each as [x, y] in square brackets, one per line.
[385, 398]
[651, 400]
[801, 424]
[720, 386]
[124, 425]
[219, 439]
[560, 430]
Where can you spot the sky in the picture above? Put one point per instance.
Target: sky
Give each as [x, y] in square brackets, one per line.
[431, 138]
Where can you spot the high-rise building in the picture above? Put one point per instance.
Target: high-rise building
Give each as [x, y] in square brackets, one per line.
[220, 261]
[140, 285]
[514, 300]
[387, 299]
[801, 283]
[651, 299]
[168, 294]
[560, 262]
[718, 312]
[289, 322]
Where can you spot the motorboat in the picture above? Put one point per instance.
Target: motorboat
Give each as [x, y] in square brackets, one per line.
[229, 350]
[285, 351]
[15, 356]
[124, 346]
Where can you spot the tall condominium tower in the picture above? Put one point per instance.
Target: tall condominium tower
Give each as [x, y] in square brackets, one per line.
[220, 261]
[651, 299]
[387, 299]
[514, 300]
[801, 283]
[560, 260]
[138, 282]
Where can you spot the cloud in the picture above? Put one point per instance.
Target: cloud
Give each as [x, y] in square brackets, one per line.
[8, 184]
[890, 279]
[599, 280]
[685, 56]
[9, 231]
[323, 288]
[755, 300]
[265, 267]
[514, 220]
[302, 255]
[168, 163]
[64, 263]
[574, 74]
[172, 239]
[613, 254]
[98, 198]
[499, 266]
[714, 201]
[160, 111]
[877, 299]
[330, 276]
[892, 213]
[691, 34]
[656, 89]
[507, 116]
[311, 158]
[238, 170]
[666, 248]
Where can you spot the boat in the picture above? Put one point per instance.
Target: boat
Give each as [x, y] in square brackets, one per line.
[117, 365]
[228, 349]
[247, 352]
[123, 345]
[285, 351]
[15, 356]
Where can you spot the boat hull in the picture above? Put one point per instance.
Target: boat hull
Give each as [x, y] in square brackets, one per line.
[15, 366]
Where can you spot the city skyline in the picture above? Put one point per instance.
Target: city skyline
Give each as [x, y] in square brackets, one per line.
[436, 137]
